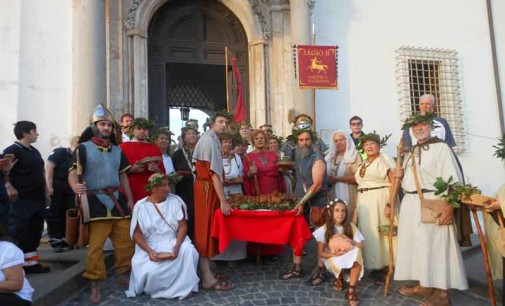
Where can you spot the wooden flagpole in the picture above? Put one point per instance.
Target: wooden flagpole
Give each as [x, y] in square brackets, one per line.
[226, 79]
[392, 201]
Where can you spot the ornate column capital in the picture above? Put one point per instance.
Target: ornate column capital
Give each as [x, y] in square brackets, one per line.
[132, 14]
[265, 28]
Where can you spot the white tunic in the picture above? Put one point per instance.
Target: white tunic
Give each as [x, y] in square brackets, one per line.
[428, 253]
[233, 168]
[169, 278]
[10, 256]
[346, 261]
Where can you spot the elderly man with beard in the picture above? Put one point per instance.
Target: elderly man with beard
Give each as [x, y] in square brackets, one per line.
[311, 191]
[209, 196]
[428, 252]
[104, 168]
[441, 128]
[290, 148]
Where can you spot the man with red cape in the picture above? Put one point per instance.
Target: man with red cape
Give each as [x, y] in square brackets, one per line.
[144, 156]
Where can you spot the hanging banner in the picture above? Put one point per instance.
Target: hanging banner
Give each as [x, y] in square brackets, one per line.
[317, 67]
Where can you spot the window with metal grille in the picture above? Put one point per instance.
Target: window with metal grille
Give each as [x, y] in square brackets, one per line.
[422, 71]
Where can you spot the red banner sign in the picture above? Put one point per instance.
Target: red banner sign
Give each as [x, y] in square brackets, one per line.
[317, 66]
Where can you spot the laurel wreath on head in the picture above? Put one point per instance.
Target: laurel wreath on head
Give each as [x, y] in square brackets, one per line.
[418, 118]
[382, 142]
[142, 123]
[156, 180]
[295, 132]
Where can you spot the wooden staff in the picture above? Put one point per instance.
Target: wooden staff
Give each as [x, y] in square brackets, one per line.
[392, 200]
[485, 256]
[226, 78]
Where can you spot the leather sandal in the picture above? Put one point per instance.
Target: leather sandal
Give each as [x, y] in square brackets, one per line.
[295, 271]
[220, 276]
[95, 296]
[220, 285]
[338, 284]
[317, 277]
[351, 296]
[438, 298]
[416, 290]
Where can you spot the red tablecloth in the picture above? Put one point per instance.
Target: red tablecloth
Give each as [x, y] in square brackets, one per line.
[263, 227]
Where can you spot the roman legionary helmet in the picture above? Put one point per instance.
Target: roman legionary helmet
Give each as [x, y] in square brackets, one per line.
[303, 121]
[101, 113]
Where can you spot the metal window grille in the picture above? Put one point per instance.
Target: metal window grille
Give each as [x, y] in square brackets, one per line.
[189, 96]
[422, 71]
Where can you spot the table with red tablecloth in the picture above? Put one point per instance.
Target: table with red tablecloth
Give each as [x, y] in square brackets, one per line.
[276, 227]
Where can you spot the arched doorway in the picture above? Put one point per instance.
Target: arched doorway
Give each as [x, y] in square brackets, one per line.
[186, 56]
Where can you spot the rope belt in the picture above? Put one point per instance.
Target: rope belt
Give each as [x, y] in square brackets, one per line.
[372, 188]
[422, 191]
[110, 192]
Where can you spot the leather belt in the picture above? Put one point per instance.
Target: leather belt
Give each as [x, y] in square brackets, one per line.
[422, 191]
[110, 192]
[372, 188]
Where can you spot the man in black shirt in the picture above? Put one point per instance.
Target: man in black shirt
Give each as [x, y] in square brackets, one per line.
[62, 196]
[27, 191]
[356, 125]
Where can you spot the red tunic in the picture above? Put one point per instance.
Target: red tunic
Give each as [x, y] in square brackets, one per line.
[268, 176]
[269, 180]
[206, 203]
[134, 152]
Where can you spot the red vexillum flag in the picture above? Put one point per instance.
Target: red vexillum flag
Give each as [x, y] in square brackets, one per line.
[239, 113]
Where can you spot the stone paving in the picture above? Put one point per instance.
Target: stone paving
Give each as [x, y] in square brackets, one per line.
[260, 285]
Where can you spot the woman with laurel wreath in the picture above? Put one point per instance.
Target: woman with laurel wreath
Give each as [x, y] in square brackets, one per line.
[374, 177]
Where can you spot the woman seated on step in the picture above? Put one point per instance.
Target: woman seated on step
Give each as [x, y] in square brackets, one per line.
[165, 261]
[340, 243]
[14, 287]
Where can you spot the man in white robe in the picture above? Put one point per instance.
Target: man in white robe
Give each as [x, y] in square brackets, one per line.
[428, 253]
[159, 224]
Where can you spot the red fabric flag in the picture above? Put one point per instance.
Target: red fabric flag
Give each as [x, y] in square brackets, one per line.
[239, 113]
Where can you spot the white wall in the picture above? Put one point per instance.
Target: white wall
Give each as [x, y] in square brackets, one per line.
[39, 58]
[369, 32]
[10, 26]
[499, 27]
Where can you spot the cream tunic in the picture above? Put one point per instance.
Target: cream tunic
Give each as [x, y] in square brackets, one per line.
[370, 207]
[428, 253]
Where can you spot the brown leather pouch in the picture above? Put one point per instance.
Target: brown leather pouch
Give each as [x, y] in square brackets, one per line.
[431, 210]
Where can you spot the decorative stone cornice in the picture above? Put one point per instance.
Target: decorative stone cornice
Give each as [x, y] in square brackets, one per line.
[255, 5]
[132, 12]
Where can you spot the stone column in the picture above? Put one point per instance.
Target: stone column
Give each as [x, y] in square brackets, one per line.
[301, 35]
[281, 68]
[138, 87]
[89, 63]
[257, 82]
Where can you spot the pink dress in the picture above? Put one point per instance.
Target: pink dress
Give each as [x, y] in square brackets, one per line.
[269, 180]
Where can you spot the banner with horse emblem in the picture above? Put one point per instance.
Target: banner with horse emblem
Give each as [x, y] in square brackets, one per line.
[317, 66]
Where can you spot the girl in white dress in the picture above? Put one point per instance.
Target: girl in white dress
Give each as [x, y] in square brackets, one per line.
[341, 247]
[165, 261]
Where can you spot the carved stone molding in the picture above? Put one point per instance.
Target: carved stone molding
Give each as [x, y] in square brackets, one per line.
[132, 12]
[265, 29]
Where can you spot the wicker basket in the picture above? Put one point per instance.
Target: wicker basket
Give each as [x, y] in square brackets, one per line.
[476, 199]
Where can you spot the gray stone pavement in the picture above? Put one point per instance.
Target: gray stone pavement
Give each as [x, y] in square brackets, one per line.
[260, 285]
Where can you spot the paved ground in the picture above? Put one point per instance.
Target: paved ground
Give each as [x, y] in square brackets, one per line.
[261, 286]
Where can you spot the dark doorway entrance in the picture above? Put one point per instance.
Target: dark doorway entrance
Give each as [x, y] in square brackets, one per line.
[186, 46]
